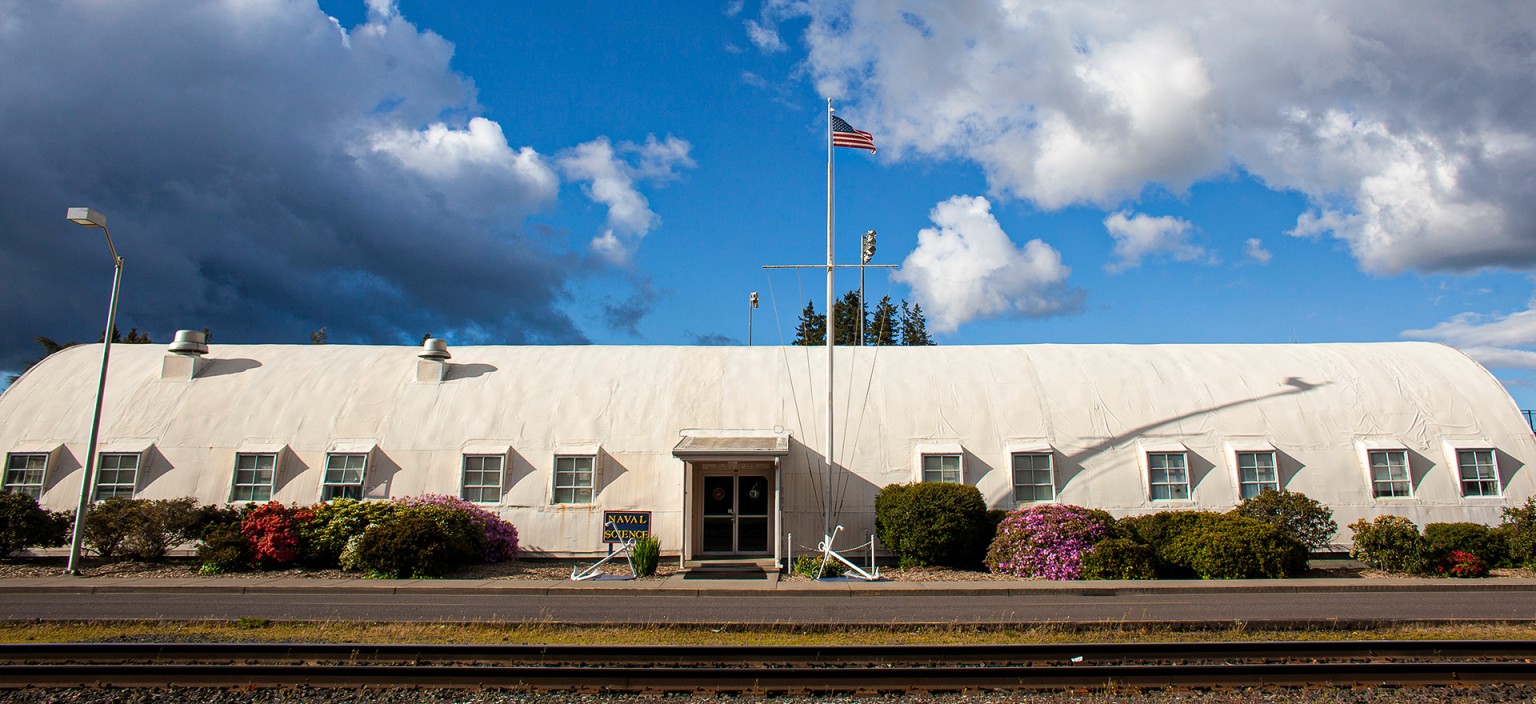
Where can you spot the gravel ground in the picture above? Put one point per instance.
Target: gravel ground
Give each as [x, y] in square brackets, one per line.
[1424, 695]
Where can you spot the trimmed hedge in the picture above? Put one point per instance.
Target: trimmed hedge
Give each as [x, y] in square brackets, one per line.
[1119, 558]
[141, 529]
[1391, 543]
[1298, 515]
[1472, 538]
[418, 542]
[1236, 547]
[929, 524]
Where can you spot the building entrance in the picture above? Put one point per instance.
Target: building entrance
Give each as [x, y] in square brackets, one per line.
[736, 514]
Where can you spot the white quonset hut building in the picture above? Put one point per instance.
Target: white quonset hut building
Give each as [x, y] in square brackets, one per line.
[722, 444]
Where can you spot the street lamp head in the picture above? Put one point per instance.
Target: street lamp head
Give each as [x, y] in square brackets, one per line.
[753, 299]
[86, 217]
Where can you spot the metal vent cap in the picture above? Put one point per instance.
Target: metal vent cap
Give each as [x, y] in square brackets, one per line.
[433, 348]
[191, 343]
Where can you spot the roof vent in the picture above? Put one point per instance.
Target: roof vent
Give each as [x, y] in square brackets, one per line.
[189, 343]
[433, 348]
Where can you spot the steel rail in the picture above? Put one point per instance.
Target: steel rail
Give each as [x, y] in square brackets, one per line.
[763, 656]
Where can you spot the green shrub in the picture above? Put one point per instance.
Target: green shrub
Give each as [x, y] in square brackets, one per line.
[418, 542]
[223, 549]
[1474, 538]
[1158, 531]
[1119, 558]
[932, 524]
[24, 524]
[1519, 532]
[1303, 518]
[1235, 547]
[1391, 543]
[140, 529]
[646, 554]
[808, 564]
[325, 534]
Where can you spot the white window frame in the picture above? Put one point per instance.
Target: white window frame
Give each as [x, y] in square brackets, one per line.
[32, 489]
[116, 487]
[1390, 481]
[1492, 467]
[235, 485]
[331, 490]
[1153, 485]
[940, 459]
[573, 483]
[1050, 474]
[1258, 483]
[479, 489]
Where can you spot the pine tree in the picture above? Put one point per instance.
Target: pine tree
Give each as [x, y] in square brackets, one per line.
[321, 336]
[883, 324]
[812, 329]
[848, 312]
[914, 328]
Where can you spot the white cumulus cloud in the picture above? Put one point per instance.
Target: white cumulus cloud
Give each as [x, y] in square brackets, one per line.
[967, 267]
[1498, 341]
[1140, 236]
[1255, 250]
[610, 179]
[1405, 125]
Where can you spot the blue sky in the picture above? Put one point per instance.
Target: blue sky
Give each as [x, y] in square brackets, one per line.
[618, 173]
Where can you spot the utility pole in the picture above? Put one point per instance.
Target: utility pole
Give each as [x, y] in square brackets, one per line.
[866, 253]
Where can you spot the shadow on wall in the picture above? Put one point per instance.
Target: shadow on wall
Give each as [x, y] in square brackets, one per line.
[1296, 384]
[1508, 465]
[222, 367]
[289, 467]
[66, 463]
[379, 477]
[155, 466]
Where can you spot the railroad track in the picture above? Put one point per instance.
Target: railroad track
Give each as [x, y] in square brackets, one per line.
[773, 668]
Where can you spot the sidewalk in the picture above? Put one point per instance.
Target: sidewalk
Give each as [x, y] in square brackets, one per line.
[678, 585]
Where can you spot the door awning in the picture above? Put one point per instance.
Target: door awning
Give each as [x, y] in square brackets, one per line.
[732, 443]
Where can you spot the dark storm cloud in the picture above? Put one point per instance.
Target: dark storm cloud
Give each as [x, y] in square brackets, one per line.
[264, 174]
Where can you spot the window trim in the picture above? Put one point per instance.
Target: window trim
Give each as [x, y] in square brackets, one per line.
[362, 479]
[1365, 447]
[922, 449]
[1189, 489]
[42, 479]
[959, 469]
[234, 478]
[555, 486]
[138, 473]
[1237, 465]
[1407, 479]
[1050, 471]
[501, 475]
[1493, 463]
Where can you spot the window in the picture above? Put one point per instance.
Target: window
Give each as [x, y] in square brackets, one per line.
[573, 479]
[253, 476]
[1032, 477]
[941, 468]
[1169, 475]
[24, 473]
[482, 478]
[1478, 474]
[1255, 473]
[118, 475]
[343, 476]
[1389, 473]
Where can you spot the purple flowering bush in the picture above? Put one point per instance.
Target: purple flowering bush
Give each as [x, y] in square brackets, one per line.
[500, 536]
[1047, 541]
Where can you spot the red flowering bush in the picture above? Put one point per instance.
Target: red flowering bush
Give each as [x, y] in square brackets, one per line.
[1047, 541]
[273, 530]
[1464, 565]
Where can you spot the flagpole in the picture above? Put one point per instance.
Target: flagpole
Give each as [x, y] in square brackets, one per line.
[826, 519]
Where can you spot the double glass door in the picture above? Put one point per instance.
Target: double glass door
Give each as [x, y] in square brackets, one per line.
[735, 514]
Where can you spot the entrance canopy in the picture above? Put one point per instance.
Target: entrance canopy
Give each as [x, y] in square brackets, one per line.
[700, 444]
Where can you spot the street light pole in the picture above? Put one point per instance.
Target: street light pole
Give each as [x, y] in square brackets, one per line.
[751, 306]
[86, 217]
[866, 253]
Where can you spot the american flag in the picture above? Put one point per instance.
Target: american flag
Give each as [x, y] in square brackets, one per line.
[844, 135]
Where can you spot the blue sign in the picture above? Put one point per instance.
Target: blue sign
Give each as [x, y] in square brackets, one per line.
[619, 526]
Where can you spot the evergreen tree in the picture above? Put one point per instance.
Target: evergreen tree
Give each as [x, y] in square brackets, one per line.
[914, 328]
[883, 326]
[134, 337]
[812, 329]
[321, 336]
[849, 312]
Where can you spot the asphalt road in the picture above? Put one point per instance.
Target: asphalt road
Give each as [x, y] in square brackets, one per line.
[647, 607]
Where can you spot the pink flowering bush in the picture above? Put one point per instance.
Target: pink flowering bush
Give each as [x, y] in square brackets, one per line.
[500, 536]
[1047, 541]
